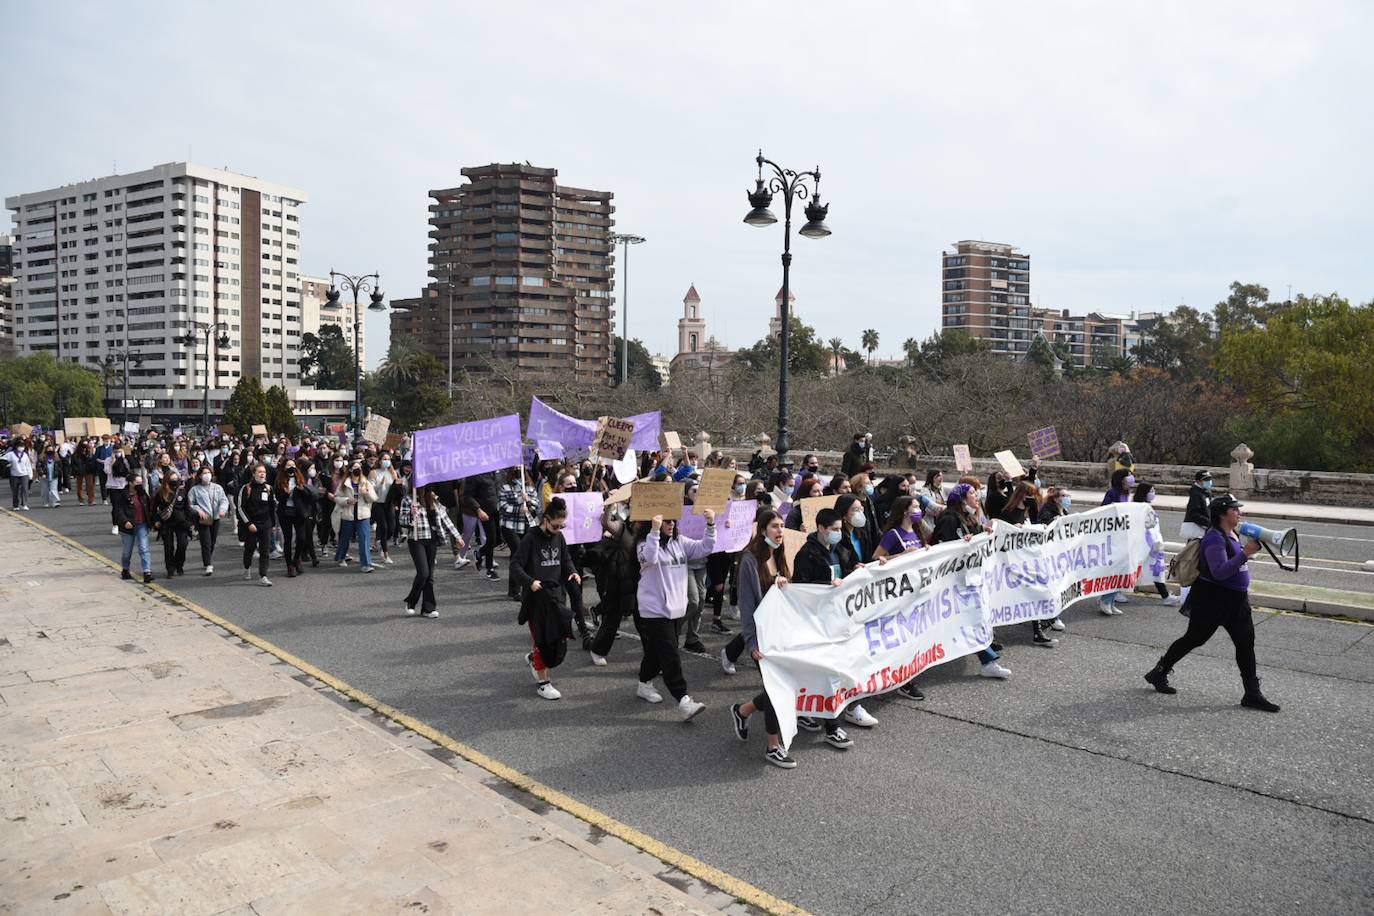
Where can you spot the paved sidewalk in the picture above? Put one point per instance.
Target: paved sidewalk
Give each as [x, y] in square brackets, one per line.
[1298, 512]
[149, 764]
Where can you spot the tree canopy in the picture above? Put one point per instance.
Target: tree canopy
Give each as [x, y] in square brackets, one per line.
[327, 359]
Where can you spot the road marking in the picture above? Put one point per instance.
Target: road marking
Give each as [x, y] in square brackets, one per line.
[688, 864]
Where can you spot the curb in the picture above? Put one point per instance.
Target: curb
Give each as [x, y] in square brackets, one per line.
[688, 864]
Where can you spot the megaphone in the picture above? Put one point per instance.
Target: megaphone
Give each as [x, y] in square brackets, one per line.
[1285, 541]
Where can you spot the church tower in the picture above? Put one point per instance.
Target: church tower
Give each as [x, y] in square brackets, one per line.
[775, 323]
[691, 327]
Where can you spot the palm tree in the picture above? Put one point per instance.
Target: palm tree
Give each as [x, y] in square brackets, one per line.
[402, 362]
[870, 342]
[912, 347]
[836, 351]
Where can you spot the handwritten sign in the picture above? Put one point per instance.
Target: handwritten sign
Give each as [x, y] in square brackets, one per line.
[962, 459]
[670, 442]
[650, 499]
[734, 527]
[1009, 463]
[376, 428]
[584, 517]
[259, 430]
[59, 436]
[715, 488]
[547, 424]
[1044, 443]
[130, 427]
[466, 449]
[810, 506]
[613, 437]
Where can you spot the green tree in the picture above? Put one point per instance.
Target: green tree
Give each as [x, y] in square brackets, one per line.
[806, 354]
[642, 369]
[1247, 307]
[836, 353]
[870, 342]
[938, 351]
[280, 418]
[327, 359]
[247, 405]
[1181, 343]
[912, 348]
[418, 400]
[41, 390]
[402, 361]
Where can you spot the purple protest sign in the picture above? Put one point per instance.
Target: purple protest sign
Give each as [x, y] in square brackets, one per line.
[1044, 443]
[734, 526]
[551, 425]
[584, 517]
[465, 449]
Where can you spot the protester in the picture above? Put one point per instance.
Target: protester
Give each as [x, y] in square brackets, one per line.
[1057, 502]
[382, 477]
[661, 600]
[172, 521]
[50, 471]
[479, 501]
[130, 514]
[257, 511]
[541, 567]
[85, 466]
[427, 526]
[617, 578]
[295, 511]
[518, 504]
[209, 503]
[20, 472]
[1109, 603]
[1195, 516]
[353, 507]
[1220, 598]
[958, 522]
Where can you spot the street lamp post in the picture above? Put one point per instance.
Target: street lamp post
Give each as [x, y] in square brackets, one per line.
[222, 342]
[362, 284]
[790, 185]
[625, 241]
[126, 356]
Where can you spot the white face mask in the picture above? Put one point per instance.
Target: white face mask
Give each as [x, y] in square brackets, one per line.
[772, 544]
[858, 520]
[204, 478]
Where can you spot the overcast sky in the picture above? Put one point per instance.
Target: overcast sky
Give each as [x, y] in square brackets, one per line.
[1143, 154]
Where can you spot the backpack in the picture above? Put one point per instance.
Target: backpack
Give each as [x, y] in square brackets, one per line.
[1185, 567]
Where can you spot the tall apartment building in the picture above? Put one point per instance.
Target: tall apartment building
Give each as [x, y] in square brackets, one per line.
[986, 293]
[528, 263]
[7, 350]
[316, 312]
[130, 262]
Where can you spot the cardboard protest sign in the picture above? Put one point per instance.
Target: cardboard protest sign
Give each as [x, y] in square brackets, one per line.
[228, 429]
[21, 430]
[144, 422]
[621, 495]
[1007, 460]
[59, 436]
[1044, 443]
[613, 437]
[792, 543]
[376, 428]
[962, 459]
[670, 442]
[259, 429]
[584, 517]
[98, 426]
[650, 499]
[466, 449]
[715, 488]
[810, 506]
[74, 426]
[393, 441]
[734, 526]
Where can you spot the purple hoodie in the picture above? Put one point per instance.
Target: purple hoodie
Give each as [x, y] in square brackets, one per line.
[663, 572]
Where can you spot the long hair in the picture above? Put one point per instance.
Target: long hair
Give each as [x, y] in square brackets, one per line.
[901, 508]
[1119, 478]
[758, 548]
[1142, 490]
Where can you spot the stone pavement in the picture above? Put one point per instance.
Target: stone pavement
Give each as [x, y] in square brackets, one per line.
[149, 764]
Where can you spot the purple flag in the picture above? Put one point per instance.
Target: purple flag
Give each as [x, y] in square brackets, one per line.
[734, 526]
[549, 424]
[584, 517]
[465, 449]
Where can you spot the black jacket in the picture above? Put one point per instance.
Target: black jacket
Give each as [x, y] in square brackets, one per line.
[480, 493]
[812, 565]
[1197, 507]
[952, 525]
[122, 507]
[174, 514]
[257, 505]
[543, 557]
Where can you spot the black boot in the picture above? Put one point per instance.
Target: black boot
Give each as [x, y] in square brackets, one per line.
[1158, 677]
[1253, 699]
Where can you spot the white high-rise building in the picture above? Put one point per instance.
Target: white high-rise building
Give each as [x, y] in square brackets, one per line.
[128, 263]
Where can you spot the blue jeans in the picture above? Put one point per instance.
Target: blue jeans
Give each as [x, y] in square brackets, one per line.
[363, 528]
[987, 655]
[50, 497]
[138, 536]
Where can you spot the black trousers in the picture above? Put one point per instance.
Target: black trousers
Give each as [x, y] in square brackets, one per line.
[381, 524]
[717, 577]
[487, 557]
[260, 540]
[512, 544]
[422, 553]
[174, 541]
[207, 535]
[287, 521]
[305, 541]
[1212, 606]
[770, 717]
[659, 637]
[324, 530]
[612, 612]
[735, 647]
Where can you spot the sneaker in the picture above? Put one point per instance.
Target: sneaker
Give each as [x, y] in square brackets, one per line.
[547, 691]
[993, 669]
[807, 723]
[698, 648]
[778, 757]
[1173, 601]
[857, 715]
[366, 569]
[741, 723]
[1258, 701]
[147, 577]
[529, 663]
[995, 646]
[491, 574]
[839, 739]
[645, 691]
[275, 555]
[911, 691]
[410, 611]
[343, 564]
[1106, 607]
[733, 613]
[718, 626]
[688, 708]
[209, 570]
[598, 660]
[248, 575]
[1047, 642]
[1058, 624]
[495, 565]
[725, 664]
[387, 560]
[460, 562]
[430, 615]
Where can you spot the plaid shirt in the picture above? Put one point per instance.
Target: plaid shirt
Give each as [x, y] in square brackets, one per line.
[513, 515]
[417, 523]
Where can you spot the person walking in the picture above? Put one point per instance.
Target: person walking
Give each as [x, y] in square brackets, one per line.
[290, 495]
[383, 477]
[21, 471]
[1195, 516]
[257, 512]
[1154, 538]
[85, 466]
[662, 600]
[540, 567]
[959, 521]
[172, 521]
[479, 500]
[519, 507]
[617, 579]
[426, 525]
[130, 514]
[353, 501]
[50, 472]
[209, 503]
[1123, 481]
[1220, 598]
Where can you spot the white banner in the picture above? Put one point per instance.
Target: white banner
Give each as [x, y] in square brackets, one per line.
[825, 647]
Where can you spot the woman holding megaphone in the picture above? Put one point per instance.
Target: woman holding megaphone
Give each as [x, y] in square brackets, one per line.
[1220, 598]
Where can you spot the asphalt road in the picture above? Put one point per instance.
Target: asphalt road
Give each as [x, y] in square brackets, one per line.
[1071, 787]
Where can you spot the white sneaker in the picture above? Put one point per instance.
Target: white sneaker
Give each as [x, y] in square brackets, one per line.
[857, 715]
[1116, 610]
[343, 564]
[410, 611]
[645, 691]
[1173, 601]
[430, 615]
[547, 691]
[688, 707]
[733, 613]
[1106, 607]
[274, 555]
[1058, 624]
[210, 570]
[598, 660]
[248, 575]
[460, 562]
[725, 664]
[265, 581]
[993, 669]
[529, 662]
